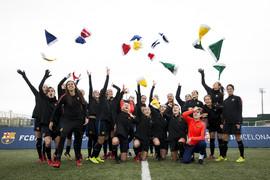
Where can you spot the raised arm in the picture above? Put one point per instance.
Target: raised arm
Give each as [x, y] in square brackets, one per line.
[152, 92]
[104, 89]
[206, 87]
[139, 102]
[59, 86]
[33, 89]
[46, 75]
[178, 98]
[186, 116]
[90, 95]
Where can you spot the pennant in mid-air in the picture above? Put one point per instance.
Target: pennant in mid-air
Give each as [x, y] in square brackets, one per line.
[215, 49]
[165, 39]
[47, 58]
[136, 37]
[125, 48]
[80, 40]
[85, 33]
[151, 56]
[171, 67]
[203, 30]
[142, 81]
[220, 67]
[50, 38]
[155, 103]
[137, 45]
[197, 44]
[154, 44]
[75, 77]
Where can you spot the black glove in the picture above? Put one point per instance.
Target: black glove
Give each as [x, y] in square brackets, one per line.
[47, 73]
[201, 71]
[21, 72]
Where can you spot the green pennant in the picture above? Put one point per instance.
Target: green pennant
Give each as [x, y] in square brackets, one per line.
[220, 67]
[171, 67]
[215, 48]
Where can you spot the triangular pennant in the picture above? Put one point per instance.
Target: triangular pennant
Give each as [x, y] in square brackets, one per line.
[125, 48]
[85, 33]
[137, 45]
[203, 30]
[136, 37]
[215, 49]
[142, 81]
[197, 44]
[155, 103]
[80, 40]
[171, 67]
[151, 56]
[220, 67]
[50, 38]
[75, 77]
[47, 58]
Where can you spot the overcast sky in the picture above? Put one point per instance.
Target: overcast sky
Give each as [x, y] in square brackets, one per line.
[243, 23]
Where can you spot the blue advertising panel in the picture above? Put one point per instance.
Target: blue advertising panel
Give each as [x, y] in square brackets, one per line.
[24, 138]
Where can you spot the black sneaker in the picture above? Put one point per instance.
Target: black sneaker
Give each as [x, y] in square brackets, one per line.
[117, 160]
[200, 161]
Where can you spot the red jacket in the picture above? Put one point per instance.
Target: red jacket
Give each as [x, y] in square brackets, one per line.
[196, 129]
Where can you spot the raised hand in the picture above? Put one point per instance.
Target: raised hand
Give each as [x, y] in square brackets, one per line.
[200, 70]
[21, 72]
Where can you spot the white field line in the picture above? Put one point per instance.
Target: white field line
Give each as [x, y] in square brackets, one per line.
[145, 171]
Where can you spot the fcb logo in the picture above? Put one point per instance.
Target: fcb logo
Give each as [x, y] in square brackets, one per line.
[8, 137]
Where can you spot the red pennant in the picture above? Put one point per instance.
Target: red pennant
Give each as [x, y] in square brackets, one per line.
[125, 48]
[151, 56]
[75, 77]
[85, 33]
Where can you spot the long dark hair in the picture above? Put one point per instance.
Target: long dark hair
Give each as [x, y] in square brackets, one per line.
[77, 93]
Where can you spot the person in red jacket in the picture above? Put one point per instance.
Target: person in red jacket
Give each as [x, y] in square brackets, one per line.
[196, 135]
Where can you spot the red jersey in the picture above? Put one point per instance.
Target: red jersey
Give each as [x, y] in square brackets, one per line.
[196, 129]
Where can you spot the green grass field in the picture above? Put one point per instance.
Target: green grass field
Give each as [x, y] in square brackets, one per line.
[21, 164]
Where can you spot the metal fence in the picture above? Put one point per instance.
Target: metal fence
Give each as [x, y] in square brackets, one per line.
[11, 119]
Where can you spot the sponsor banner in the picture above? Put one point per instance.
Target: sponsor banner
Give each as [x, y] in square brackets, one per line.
[24, 138]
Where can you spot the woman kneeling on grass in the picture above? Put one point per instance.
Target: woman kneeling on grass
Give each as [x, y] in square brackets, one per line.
[196, 135]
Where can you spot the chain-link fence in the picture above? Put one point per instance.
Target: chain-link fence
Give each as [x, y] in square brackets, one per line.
[11, 119]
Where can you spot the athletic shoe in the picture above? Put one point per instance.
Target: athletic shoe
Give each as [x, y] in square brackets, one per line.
[93, 160]
[56, 164]
[100, 160]
[240, 160]
[129, 154]
[50, 162]
[78, 163]
[200, 161]
[151, 155]
[219, 158]
[68, 156]
[211, 157]
[137, 158]
[87, 159]
[117, 160]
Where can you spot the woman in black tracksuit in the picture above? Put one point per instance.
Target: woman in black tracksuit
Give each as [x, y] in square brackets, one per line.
[231, 122]
[217, 95]
[102, 120]
[72, 119]
[35, 116]
[123, 127]
[47, 104]
[143, 128]
[159, 128]
[114, 109]
[213, 122]
[177, 129]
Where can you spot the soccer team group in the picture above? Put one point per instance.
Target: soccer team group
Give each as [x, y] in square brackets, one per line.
[114, 122]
